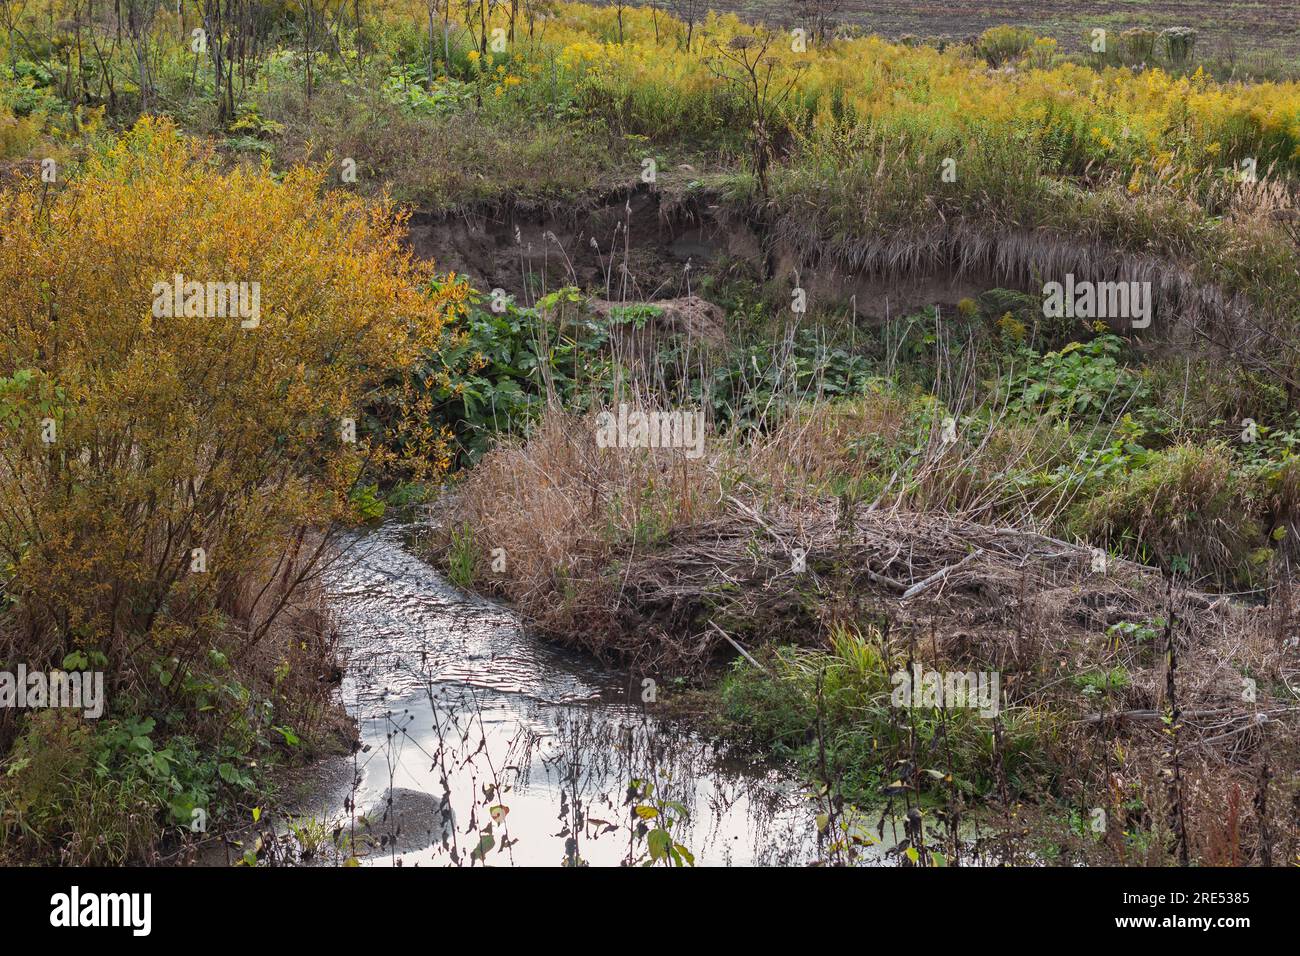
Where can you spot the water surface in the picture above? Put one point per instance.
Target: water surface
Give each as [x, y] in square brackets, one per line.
[465, 716]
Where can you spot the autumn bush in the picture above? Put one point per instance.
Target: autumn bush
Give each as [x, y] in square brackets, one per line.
[169, 481]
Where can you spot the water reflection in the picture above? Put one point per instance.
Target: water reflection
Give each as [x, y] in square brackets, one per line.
[472, 729]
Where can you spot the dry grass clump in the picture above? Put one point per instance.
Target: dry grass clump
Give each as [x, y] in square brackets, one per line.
[892, 450]
[822, 447]
[975, 475]
[562, 510]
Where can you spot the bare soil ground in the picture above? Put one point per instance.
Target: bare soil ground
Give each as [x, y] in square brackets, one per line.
[1227, 27]
[528, 252]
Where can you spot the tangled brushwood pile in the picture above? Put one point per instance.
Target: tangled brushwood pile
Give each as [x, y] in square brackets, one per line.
[1112, 676]
[1028, 606]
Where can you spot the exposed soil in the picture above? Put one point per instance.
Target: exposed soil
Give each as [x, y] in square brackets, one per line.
[644, 247]
[630, 247]
[1226, 26]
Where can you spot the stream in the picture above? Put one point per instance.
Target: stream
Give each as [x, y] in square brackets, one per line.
[467, 720]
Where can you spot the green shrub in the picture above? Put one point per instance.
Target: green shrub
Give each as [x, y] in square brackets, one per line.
[847, 691]
[1003, 44]
[1184, 509]
[54, 795]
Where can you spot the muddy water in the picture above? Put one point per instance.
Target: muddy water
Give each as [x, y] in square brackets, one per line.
[461, 711]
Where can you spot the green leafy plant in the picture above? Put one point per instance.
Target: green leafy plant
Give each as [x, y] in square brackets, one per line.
[462, 557]
[658, 820]
[1082, 381]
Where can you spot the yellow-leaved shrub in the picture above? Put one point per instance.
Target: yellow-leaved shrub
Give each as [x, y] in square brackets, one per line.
[129, 439]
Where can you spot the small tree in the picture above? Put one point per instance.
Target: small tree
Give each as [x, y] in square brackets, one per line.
[819, 14]
[689, 12]
[155, 457]
[745, 63]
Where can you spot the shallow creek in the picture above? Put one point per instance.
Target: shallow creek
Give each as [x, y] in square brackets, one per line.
[462, 713]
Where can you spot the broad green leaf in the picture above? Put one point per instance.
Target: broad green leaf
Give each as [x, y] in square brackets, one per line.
[658, 842]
